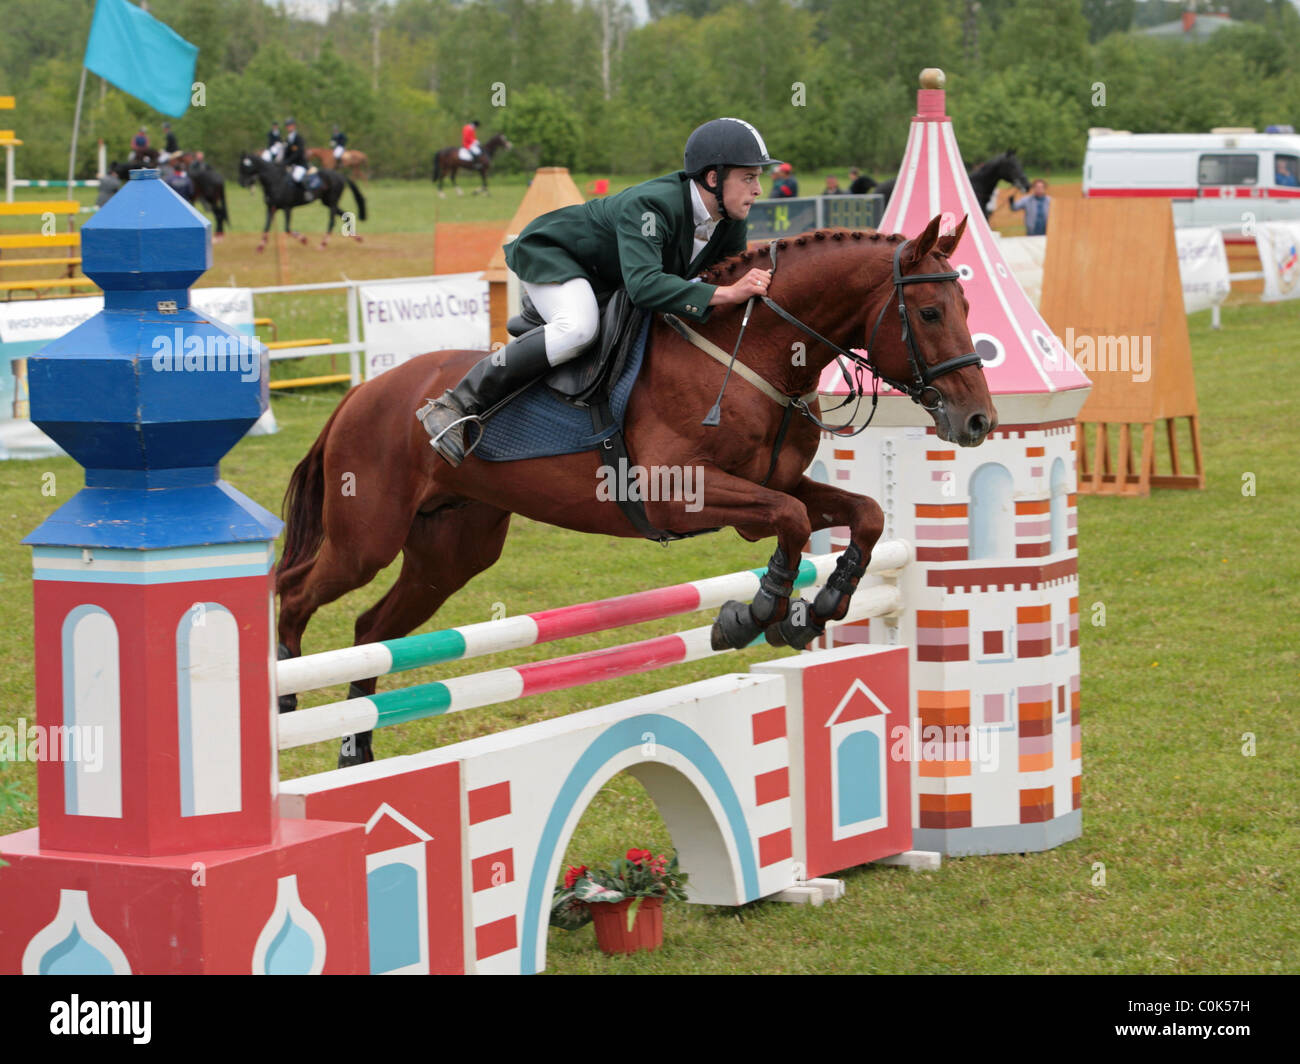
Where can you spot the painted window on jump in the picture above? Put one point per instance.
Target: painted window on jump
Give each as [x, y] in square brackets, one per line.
[92, 714]
[392, 897]
[992, 513]
[207, 710]
[1059, 507]
[860, 781]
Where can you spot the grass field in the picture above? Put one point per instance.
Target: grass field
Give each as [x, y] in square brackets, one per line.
[1198, 840]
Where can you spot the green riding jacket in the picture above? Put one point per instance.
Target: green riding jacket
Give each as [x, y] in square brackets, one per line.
[639, 239]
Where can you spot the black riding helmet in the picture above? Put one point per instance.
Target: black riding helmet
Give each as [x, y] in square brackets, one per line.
[722, 143]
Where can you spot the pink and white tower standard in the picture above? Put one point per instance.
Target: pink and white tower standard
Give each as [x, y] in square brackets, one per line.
[995, 725]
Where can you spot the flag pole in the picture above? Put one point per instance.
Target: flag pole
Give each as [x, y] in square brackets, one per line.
[76, 124]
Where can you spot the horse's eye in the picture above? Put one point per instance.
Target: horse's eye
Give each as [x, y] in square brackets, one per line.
[930, 314]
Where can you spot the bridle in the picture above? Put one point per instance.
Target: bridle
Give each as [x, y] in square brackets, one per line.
[923, 375]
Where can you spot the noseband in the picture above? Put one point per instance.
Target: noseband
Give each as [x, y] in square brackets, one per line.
[923, 376]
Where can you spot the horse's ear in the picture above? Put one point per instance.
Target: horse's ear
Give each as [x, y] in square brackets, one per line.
[921, 246]
[946, 245]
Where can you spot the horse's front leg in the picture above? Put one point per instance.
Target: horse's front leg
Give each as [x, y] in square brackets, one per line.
[709, 497]
[266, 229]
[828, 507]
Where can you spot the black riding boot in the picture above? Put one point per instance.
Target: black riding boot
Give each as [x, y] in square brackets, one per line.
[488, 382]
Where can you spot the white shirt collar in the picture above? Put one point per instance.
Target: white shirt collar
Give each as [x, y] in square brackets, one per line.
[702, 212]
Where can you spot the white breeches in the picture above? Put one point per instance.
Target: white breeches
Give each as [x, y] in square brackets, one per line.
[571, 315]
[338, 151]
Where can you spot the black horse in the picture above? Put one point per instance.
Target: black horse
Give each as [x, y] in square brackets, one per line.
[209, 188]
[282, 193]
[447, 161]
[205, 187]
[983, 178]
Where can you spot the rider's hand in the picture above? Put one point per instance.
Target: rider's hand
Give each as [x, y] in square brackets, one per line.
[754, 283]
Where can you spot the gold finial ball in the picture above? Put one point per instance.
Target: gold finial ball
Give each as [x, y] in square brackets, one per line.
[932, 78]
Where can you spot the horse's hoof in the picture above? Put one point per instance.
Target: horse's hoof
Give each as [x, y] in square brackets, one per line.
[324, 244]
[301, 240]
[261, 248]
[355, 750]
[288, 703]
[735, 627]
[799, 628]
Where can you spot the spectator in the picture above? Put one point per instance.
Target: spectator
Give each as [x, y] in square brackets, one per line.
[785, 186]
[832, 187]
[1035, 206]
[1284, 175]
[859, 183]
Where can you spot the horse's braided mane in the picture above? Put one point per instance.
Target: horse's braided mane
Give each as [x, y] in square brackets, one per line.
[729, 269]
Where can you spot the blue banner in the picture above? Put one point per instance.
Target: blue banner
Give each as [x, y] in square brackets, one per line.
[141, 56]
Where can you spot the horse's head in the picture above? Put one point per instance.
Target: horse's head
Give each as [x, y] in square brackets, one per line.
[957, 398]
[1009, 169]
[499, 142]
[248, 170]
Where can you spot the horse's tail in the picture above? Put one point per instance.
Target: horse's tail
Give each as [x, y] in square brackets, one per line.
[437, 165]
[304, 502]
[221, 202]
[361, 200]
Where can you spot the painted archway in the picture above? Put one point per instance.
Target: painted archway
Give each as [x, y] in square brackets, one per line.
[705, 818]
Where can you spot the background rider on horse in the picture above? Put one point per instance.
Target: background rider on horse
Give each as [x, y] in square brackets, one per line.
[648, 238]
[295, 159]
[139, 145]
[469, 141]
[339, 140]
[274, 144]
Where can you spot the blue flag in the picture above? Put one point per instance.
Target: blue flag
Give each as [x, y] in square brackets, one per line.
[141, 56]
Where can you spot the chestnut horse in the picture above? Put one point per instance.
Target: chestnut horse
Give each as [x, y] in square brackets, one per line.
[895, 297]
[356, 162]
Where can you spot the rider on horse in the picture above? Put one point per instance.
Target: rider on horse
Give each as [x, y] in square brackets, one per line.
[170, 146]
[340, 141]
[647, 238]
[274, 144]
[139, 145]
[469, 142]
[295, 158]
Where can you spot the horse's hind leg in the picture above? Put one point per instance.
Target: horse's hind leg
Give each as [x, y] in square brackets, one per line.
[444, 551]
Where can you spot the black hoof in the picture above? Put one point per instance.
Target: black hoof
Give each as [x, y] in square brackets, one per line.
[735, 628]
[799, 628]
[288, 703]
[355, 750]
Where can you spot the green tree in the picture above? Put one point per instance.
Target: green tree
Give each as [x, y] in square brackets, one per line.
[1105, 17]
[542, 126]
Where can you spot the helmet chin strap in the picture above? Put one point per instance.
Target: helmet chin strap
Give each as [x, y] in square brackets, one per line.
[716, 190]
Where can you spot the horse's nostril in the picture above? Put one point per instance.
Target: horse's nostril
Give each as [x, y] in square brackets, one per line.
[977, 425]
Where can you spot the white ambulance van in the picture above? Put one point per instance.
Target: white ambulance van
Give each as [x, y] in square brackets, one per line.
[1214, 179]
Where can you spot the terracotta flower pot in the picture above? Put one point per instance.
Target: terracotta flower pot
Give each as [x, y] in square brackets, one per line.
[612, 934]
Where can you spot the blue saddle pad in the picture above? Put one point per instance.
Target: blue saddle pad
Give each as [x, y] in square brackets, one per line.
[539, 424]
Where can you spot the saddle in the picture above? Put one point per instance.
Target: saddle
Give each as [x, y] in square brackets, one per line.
[579, 380]
[588, 380]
